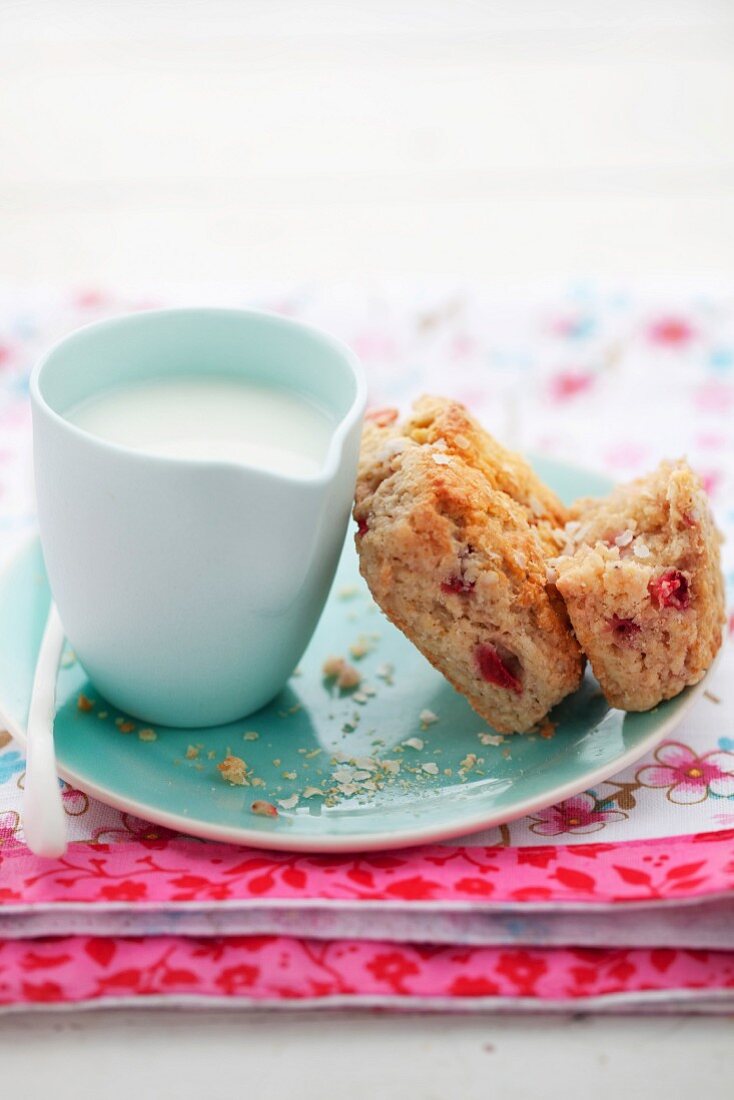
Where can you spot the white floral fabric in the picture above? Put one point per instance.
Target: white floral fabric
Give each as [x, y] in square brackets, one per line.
[609, 378]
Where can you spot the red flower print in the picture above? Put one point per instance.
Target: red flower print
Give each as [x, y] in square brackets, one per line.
[670, 332]
[90, 299]
[101, 949]
[131, 979]
[570, 383]
[191, 887]
[43, 960]
[235, 978]
[710, 479]
[42, 992]
[75, 803]
[393, 967]
[523, 969]
[689, 778]
[468, 986]
[127, 890]
[472, 884]
[414, 887]
[579, 814]
[537, 857]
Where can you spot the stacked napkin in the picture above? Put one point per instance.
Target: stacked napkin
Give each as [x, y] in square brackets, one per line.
[588, 926]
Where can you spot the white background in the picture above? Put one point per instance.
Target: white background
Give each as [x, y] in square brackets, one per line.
[148, 140]
[176, 141]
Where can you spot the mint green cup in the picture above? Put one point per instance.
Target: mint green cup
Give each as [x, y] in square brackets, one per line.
[190, 588]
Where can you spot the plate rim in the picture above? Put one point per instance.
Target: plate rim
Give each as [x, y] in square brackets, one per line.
[396, 839]
[379, 841]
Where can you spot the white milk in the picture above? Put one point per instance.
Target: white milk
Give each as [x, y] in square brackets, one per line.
[212, 418]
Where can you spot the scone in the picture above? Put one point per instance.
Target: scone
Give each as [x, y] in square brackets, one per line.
[642, 582]
[453, 536]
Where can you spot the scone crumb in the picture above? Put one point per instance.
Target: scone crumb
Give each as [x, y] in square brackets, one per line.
[233, 769]
[250, 735]
[84, 704]
[491, 738]
[265, 809]
[332, 666]
[430, 767]
[414, 743]
[547, 729]
[346, 675]
[427, 718]
[348, 678]
[147, 735]
[347, 592]
[361, 647]
[289, 803]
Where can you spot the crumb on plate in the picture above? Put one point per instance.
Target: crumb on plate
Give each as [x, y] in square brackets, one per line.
[233, 769]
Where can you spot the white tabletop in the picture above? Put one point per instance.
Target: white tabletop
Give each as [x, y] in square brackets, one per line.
[229, 140]
[330, 1056]
[232, 140]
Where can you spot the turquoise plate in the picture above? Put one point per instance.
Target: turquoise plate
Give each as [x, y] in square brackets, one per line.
[410, 763]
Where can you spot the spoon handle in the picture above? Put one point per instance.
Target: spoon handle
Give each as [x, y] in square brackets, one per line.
[44, 822]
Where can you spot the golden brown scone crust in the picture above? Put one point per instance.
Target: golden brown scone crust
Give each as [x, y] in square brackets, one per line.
[453, 537]
[435, 418]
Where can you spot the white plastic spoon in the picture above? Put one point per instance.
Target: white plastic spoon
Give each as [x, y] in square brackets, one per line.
[44, 821]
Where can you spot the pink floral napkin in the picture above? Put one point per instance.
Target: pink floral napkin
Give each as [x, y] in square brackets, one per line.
[568, 906]
[436, 927]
